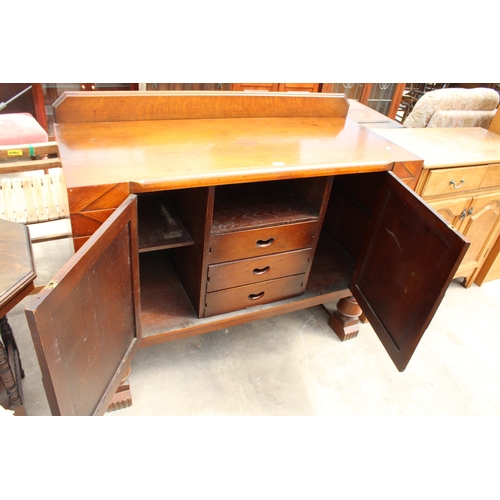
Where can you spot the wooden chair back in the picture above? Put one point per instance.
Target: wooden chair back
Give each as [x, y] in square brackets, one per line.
[37, 190]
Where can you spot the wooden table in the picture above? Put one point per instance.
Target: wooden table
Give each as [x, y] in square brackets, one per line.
[16, 281]
[194, 212]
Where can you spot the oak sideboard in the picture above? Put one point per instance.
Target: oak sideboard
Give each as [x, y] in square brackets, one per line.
[193, 212]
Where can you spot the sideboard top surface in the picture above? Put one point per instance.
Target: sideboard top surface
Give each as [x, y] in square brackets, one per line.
[169, 154]
[448, 147]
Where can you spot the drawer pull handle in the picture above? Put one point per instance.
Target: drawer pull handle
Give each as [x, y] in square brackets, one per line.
[256, 296]
[456, 186]
[264, 243]
[463, 215]
[264, 270]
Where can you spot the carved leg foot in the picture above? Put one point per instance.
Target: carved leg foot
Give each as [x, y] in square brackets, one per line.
[123, 396]
[344, 321]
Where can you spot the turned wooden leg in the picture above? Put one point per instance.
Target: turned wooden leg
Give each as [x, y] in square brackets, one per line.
[8, 379]
[344, 321]
[123, 396]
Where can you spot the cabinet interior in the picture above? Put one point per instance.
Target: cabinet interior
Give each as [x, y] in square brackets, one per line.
[176, 227]
[160, 226]
[260, 204]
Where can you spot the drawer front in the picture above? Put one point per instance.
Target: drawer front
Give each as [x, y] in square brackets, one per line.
[247, 271]
[453, 180]
[491, 178]
[255, 294]
[258, 242]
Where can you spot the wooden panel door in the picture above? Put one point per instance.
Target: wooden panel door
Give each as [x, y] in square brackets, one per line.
[383, 97]
[351, 90]
[86, 323]
[480, 226]
[453, 210]
[409, 258]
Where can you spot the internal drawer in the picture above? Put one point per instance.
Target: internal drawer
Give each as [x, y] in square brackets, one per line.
[255, 294]
[247, 271]
[258, 242]
[453, 180]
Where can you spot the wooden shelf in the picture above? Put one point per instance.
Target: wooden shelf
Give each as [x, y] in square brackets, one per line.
[159, 226]
[257, 205]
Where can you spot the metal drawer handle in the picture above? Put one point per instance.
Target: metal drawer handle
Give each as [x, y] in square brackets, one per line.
[256, 296]
[264, 270]
[264, 243]
[456, 186]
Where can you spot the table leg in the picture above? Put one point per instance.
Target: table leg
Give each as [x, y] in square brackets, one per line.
[8, 337]
[8, 379]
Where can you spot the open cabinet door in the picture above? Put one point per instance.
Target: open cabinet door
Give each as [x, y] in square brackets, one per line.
[85, 323]
[409, 258]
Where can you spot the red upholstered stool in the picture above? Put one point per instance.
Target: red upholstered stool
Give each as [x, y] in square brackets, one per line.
[20, 128]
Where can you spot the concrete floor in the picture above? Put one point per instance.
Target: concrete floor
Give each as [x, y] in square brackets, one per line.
[295, 365]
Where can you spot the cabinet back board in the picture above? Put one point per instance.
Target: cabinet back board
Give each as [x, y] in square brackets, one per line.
[73, 107]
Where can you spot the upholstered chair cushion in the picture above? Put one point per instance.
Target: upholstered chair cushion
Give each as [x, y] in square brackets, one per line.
[460, 118]
[454, 101]
[20, 128]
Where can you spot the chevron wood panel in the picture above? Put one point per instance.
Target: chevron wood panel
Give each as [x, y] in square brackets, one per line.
[79, 241]
[86, 223]
[89, 198]
[408, 172]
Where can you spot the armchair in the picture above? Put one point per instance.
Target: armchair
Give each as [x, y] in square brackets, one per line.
[454, 107]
